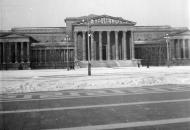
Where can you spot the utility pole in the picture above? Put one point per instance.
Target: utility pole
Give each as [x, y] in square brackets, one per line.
[67, 40]
[167, 48]
[89, 52]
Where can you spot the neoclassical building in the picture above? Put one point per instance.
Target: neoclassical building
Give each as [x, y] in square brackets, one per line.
[108, 41]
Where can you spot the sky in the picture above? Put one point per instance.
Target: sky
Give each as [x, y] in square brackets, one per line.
[52, 13]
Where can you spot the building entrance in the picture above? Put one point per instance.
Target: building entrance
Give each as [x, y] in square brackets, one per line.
[104, 52]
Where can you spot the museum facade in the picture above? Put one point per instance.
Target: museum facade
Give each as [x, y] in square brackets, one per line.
[105, 41]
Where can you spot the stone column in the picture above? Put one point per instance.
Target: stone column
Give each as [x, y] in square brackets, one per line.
[16, 52]
[92, 46]
[116, 45]
[188, 42]
[0, 53]
[170, 48]
[124, 46]
[171, 45]
[175, 48]
[28, 52]
[178, 49]
[4, 57]
[75, 42]
[36, 56]
[84, 45]
[21, 52]
[9, 52]
[45, 56]
[183, 43]
[132, 46]
[100, 45]
[40, 55]
[108, 40]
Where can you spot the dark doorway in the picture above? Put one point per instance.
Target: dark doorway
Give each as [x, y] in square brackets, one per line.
[104, 51]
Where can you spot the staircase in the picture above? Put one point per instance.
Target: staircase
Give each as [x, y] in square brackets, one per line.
[111, 63]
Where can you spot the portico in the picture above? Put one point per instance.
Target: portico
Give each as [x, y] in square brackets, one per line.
[108, 41]
[15, 52]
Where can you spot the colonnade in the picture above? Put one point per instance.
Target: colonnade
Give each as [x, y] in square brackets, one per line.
[51, 55]
[108, 44]
[8, 50]
[180, 48]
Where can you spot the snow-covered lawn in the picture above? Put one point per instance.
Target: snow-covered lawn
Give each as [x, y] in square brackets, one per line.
[19, 81]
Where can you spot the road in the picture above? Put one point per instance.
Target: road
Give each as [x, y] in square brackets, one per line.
[162, 107]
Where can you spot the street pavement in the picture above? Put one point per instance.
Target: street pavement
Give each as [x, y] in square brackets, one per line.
[161, 107]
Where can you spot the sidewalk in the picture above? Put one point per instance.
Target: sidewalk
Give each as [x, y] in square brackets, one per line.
[15, 81]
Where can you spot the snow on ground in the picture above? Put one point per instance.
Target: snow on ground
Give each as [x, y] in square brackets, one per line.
[20, 81]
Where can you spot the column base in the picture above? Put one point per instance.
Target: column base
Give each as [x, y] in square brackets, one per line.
[15, 66]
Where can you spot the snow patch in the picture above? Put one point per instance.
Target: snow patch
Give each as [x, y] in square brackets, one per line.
[54, 80]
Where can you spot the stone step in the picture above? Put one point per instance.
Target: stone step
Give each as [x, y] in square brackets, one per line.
[111, 63]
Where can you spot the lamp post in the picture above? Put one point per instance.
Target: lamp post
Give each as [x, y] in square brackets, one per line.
[89, 52]
[88, 49]
[67, 39]
[167, 47]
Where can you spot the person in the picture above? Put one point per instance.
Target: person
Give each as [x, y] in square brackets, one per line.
[147, 63]
[20, 67]
[138, 63]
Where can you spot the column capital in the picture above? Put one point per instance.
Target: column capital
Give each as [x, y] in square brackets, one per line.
[108, 32]
[83, 32]
[92, 32]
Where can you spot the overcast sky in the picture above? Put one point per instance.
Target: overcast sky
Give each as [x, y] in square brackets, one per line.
[51, 13]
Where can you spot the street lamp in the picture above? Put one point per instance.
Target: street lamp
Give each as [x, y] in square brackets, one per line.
[67, 40]
[167, 45]
[89, 52]
[89, 56]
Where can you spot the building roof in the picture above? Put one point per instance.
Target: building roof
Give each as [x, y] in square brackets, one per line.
[180, 35]
[39, 29]
[81, 17]
[13, 35]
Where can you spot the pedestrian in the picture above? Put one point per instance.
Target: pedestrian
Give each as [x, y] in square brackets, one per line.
[147, 63]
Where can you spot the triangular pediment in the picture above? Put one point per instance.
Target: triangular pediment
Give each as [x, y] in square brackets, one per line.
[185, 33]
[105, 20]
[15, 36]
